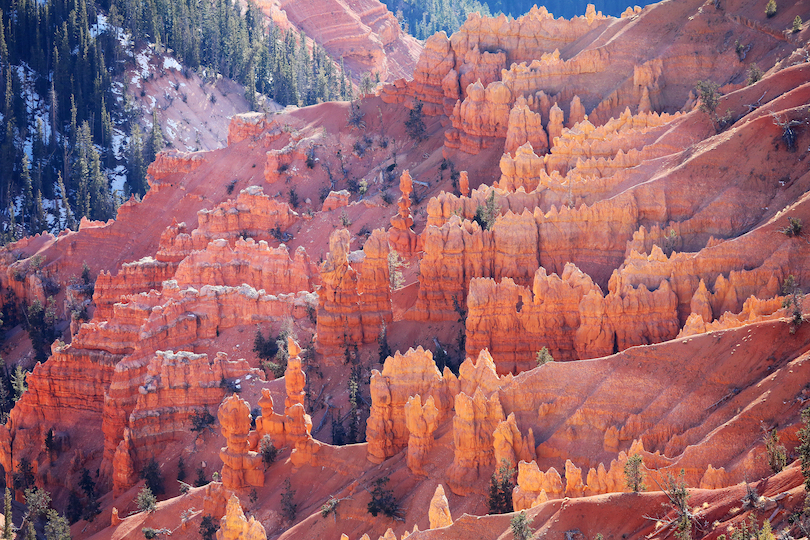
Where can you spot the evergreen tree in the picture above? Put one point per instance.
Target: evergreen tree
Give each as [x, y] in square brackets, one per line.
[40, 223]
[70, 222]
[28, 193]
[156, 143]
[136, 171]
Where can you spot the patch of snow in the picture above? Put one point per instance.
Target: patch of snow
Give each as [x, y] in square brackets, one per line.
[142, 58]
[118, 178]
[100, 27]
[171, 63]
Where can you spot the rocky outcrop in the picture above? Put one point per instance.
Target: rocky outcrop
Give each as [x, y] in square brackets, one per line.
[473, 425]
[401, 237]
[525, 126]
[510, 445]
[534, 486]
[439, 511]
[172, 162]
[355, 299]
[252, 214]
[403, 376]
[179, 319]
[246, 261]
[176, 387]
[234, 525]
[422, 421]
[246, 126]
[482, 119]
[240, 467]
[336, 199]
[516, 246]
[567, 314]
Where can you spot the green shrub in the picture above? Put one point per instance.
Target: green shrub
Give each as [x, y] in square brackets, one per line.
[486, 214]
[770, 8]
[777, 453]
[414, 126]
[382, 500]
[154, 479]
[544, 357]
[500, 489]
[754, 74]
[288, 507]
[208, 527]
[520, 527]
[268, 451]
[146, 500]
[797, 24]
[633, 474]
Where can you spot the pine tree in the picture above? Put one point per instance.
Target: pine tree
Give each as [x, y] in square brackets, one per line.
[156, 142]
[41, 223]
[101, 203]
[70, 222]
[136, 177]
[28, 193]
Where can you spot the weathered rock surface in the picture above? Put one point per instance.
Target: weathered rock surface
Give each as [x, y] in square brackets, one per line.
[234, 525]
[240, 467]
[439, 511]
[355, 300]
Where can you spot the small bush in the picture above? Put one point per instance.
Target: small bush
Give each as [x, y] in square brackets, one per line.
[414, 126]
[520, 527]
[292, 197]
[486, 214]
[678, 496]
[382, 500]
[268, 451]
[708, 93]
[288, 507]
[265, 348]
[797, 24]
[311, 159]
[793, 301]
[344, 219]
[544, 357]
[201, 480]
[770, 8]
[329, 507]
[38, 501]
[208, 527]
[181, 469]
[149, 533]
[146, 500]
[387, 197]
[777, 454]
[230, 186]
[794, 227]
[200, 420]
[355, 118]
[754, 75]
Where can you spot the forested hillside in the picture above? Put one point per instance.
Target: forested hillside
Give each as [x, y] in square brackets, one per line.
[68, 121]
[423, 18]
